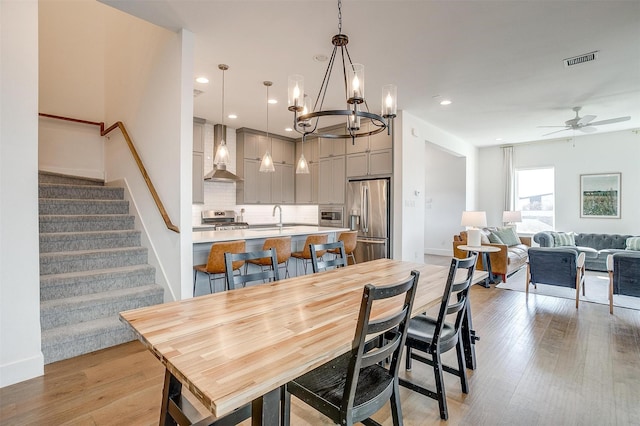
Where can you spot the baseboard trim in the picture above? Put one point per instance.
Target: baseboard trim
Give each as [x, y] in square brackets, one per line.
[22, 370]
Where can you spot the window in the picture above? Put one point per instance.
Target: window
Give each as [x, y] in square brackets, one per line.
[535, 199]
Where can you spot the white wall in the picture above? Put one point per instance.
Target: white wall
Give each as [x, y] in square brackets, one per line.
[148, 81]
[20, 354]
[71, 91]
[595, 153]
[445, 198]
[411, 135]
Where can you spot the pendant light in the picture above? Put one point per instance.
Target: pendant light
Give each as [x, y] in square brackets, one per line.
[221, 158]
[302, 167]
[266, 166]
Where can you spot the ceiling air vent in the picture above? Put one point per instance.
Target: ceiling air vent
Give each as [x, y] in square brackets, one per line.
[577, 60]
[197, 92]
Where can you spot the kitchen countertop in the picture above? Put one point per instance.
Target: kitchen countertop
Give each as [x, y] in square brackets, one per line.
[201, 237]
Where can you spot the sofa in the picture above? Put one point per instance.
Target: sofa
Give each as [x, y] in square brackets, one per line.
[624, 274]
[505, 262]
[595, 246]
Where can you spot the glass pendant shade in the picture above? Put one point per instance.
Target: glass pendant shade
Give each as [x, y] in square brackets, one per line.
[295, 92]
[267, 163]
[389, 100]
[355, 82]
[303, 167]
[222, 155]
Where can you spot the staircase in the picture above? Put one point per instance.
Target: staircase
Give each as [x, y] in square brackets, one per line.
[92, 266]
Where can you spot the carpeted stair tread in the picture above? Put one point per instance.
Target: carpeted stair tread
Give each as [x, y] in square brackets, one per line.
[55, 286]
[68, 191]
[78, 309]
[88, 240]
[73, 340]
[79, 223]
[85, 260]
[71, 206]
[58, 178]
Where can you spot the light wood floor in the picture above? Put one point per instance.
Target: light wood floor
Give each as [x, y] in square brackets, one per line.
[540, 362]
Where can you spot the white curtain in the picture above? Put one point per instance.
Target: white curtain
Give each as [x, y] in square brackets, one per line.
[509, 178]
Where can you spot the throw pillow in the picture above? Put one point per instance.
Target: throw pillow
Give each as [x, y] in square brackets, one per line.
[508, 236]
[484, 236]
[493, 238]
[633, 243]
[561, 239]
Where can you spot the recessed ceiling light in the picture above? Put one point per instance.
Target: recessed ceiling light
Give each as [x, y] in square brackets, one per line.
[498, 139]
[320, 58]
[273, 101]
[202, 80]
[232, 116]
[288, 129]
[445, 102]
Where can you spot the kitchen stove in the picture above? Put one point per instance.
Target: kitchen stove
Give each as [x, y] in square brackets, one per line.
[222, 220]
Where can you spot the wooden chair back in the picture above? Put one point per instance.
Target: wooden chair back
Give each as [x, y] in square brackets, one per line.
[235, 281]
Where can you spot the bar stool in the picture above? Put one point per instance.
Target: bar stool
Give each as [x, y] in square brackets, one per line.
[305, 254]
[283, 251]
[349, 238]
[215, 262]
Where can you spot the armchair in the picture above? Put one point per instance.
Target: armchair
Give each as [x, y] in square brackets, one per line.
[560, 266]
[624, 275]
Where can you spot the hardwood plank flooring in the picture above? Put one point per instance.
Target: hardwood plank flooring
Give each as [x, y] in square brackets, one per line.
[540, 362]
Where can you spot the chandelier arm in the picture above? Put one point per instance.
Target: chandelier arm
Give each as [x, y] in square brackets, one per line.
[325, 81]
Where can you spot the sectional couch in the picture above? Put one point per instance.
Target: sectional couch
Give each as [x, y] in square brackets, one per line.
[595, 246]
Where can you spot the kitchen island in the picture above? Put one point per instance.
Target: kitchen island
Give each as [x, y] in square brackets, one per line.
[254, 237]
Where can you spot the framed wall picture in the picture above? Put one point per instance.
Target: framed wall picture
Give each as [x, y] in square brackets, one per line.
[600, 195]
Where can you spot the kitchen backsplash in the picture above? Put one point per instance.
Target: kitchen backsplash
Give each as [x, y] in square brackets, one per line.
[222, 196]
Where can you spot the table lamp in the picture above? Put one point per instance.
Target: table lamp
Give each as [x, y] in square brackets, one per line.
[511, 217]
[473, 221]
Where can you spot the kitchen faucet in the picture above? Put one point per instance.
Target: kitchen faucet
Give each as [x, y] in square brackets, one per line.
[277, 206]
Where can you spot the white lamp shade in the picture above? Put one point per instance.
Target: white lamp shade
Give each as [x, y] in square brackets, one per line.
[511, 216]
[474, 219]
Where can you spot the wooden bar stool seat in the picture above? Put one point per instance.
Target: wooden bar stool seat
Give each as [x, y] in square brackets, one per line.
[305, 254]
[215, 262]
[283, 251]
[349, 238]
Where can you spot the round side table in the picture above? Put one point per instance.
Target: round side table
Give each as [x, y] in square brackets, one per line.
[486, 259]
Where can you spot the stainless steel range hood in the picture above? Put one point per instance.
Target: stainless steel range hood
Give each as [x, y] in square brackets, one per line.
[220, 174]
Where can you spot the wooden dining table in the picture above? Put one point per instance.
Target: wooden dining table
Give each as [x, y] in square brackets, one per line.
[234, 350]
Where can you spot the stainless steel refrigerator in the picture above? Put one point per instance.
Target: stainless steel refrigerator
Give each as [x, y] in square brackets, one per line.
[368, 212]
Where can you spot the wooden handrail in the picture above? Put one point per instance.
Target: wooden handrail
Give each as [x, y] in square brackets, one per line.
[136, 157]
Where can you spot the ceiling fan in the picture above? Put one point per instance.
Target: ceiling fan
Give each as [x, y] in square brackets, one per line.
[585, 124]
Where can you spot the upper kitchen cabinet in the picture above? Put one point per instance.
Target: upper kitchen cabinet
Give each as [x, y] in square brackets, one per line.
[198, 162]
[264, 188]
[331, 180]
[372, 155]
[307, 184]
[331, 147]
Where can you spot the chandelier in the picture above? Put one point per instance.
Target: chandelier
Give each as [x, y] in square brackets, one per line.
[356, 104]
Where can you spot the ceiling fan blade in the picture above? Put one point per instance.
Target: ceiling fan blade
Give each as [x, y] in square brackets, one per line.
[587, 129]
[610, 121]
[561, 130]
[586, 119]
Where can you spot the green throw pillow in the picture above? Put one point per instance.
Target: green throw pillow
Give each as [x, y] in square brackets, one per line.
[561, 239]
[493, 238]
[633, 243]
[508, 236]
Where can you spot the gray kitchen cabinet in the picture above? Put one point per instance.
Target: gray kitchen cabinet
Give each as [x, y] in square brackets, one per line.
[282, 152]
[331, 180]
[255, 189]
[372, 155]
[307, 186]
[282, 184]
[197, 173]
[332, 147]
[254, 145]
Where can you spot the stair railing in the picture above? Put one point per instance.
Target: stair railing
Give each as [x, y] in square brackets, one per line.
[136, 157]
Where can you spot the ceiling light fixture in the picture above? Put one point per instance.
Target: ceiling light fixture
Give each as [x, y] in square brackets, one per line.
[357, 106]
[266, 165]
[445, 102]
[203, 80]
[222, 153]
[302, 168]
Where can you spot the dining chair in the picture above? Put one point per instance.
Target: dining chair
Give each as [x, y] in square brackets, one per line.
[560, 266]
[283, 248]
[350, 240]
[318, 262]
[354, 386]
[435, 336]
[305, 254]
[235, 281]
[215, 261]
